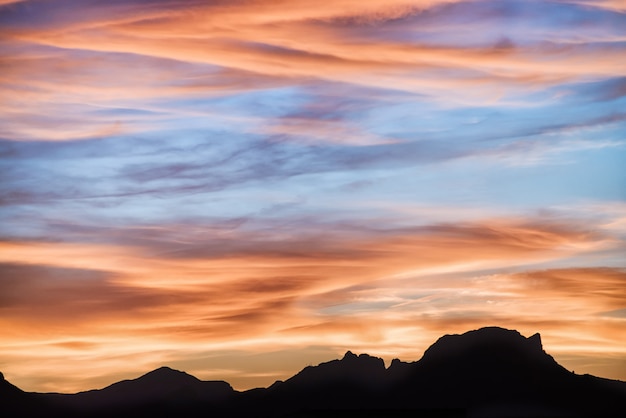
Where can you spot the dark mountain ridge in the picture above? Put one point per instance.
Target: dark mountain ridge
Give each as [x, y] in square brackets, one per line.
[490, 372]
[165, 384]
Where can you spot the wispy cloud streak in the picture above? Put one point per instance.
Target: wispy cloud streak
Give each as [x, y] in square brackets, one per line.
[204, 182]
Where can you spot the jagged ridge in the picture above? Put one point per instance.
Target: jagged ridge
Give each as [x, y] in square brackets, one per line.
[487, 372]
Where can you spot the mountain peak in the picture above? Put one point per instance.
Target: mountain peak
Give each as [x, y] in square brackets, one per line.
[349, 355]
[166, 377]
[492, 371]
[487, 336]
[488, 347]
[364, 357]
[168, 373]
[362, 370]
[535, 341]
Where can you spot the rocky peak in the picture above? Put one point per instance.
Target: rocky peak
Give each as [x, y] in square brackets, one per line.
[166, 374]
[534, 341]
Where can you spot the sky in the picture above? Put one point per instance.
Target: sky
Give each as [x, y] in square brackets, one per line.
[239, 189]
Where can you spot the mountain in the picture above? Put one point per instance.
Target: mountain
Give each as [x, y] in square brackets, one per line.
[490, 372]
[353, 381]
[159, 392]
[13, 398]
[163, 384]
[498, 372]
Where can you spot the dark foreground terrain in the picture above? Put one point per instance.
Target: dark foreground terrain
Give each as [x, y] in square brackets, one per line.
[490, 372]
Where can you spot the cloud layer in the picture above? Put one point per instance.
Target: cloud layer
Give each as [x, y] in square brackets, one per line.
[223, 185]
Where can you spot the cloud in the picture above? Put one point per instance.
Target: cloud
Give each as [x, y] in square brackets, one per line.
[47, 296]
[614, 5]
[58, 61]
[602, 287]
[160, 290]
[244, 275]
[177, 179]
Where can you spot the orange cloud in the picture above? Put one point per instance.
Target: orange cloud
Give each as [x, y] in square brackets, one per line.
[382, 292]
[57, 76]
[410, 67]
[272, 44]
[124, 300]
[616, 5]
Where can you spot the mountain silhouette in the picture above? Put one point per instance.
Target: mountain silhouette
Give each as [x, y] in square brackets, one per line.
[490, 372]
[498, 372]
[158, 392]
[163, 385]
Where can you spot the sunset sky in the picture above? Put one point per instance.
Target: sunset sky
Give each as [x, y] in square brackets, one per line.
[239, 189]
